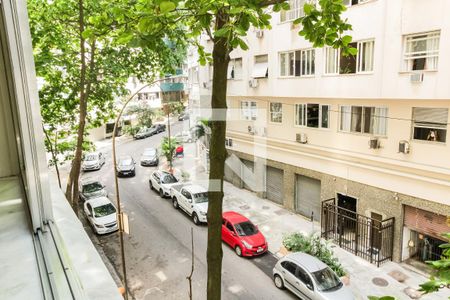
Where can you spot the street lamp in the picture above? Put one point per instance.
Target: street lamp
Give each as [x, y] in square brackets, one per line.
[120, 216]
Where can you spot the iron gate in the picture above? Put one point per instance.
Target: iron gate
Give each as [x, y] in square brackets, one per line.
[368, 238]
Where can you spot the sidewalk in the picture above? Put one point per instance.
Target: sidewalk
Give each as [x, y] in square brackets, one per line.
[275, 222]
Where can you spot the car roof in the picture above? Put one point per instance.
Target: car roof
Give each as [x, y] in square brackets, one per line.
[89, 180]
[308, 262]
[234, 217]
[99, 201]
[160, 172]
[194, 189]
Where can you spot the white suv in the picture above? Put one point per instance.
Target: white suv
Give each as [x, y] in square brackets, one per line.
[161, 182]
[102, 215]
[93, 161]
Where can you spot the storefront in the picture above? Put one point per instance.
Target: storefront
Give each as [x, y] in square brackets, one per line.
[422, 234]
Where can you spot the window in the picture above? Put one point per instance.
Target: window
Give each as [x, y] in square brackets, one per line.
[248, 110]
[230, 227]
[261, 67]
[295, 10]
[337, 63]
[297, 63]
[276, 112]
[312, 115]
[289, 266]
[354, 2]
[304, 277]
[421, 51]
[363, 119]
[430, 124]
[235, 69]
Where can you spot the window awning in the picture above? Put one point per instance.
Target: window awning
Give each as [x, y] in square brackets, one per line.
[430, 115]
[260, 70]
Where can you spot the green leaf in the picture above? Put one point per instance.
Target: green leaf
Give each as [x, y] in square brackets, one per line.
[242, 44]
[167, 6]
[346, 40]
[352, 51]
[222, 32]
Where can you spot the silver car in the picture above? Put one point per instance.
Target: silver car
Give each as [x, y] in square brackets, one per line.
[309, 278]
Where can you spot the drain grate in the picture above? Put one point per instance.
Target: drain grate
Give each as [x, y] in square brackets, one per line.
[265, 207]
[380, 281]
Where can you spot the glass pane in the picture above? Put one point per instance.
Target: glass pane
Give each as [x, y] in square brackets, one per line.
[297, 63]
[347, 64]
[346, 118]
[312, 115]
[356, 118]
[283, 64]
[291, 64]
[325, 116]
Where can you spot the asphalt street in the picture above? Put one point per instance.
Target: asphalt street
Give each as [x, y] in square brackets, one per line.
[158, 249]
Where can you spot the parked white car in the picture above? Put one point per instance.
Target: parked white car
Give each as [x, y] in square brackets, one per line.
[191, 198]
[309, 278]
[161, 182]
[184, 137]
[102, 215]
[93, 161]
[90, 188]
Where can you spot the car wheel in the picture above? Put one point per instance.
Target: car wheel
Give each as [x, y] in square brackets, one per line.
[238, 250]
[278, 282]
[150, 184]
[161, 193]
[175, 203]
[195, 219]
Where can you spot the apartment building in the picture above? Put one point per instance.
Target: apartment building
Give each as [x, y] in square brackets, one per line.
[361, 143]
[44, 251]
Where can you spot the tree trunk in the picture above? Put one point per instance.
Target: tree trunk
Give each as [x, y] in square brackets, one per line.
[72, 184]
[217, 154]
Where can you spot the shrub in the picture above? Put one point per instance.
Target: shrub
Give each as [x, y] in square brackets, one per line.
[315, 246]
[131, 130]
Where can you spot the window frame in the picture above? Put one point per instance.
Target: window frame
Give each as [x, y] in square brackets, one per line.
[359, 58]
[414, 126]
[297, 11]
[252, 113]
[408, 62]
[305, 115]
[260, 64]
[300, 53]
[231, 72]
[362, 122]
[350, 4]
[271, 113]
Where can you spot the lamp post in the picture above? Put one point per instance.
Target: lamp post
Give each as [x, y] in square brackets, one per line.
[116, 182]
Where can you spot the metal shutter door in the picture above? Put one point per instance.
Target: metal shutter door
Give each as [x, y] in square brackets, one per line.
[307, 196]
[274, 185]
[250, 165]
[426, 222]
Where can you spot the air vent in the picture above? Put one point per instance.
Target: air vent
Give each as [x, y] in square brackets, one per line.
[374, 143]
[253, 83]
[416, 77]
[251, 129]
[403, 147]
[301, 138]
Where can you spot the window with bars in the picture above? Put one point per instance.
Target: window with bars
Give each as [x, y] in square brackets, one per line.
[337, 63]
[235, 69]
[297, 63]
[421, 51]
[295, 10]
[430, 124]
[276, 112]
[248, 110]
[364, 119]
[312, 115]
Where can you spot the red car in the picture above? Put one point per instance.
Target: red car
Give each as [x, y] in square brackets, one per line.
[242, 235]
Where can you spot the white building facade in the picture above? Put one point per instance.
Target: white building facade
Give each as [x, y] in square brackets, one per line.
[370, 131]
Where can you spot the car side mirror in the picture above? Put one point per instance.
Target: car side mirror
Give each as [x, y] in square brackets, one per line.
[190, 200]
[309, 286]
[89, 214]
[233, 233]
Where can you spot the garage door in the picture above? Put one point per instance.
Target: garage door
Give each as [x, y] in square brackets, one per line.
[274, 185]
[250, 165]
[307, 196]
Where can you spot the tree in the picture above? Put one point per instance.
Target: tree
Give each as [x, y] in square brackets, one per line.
[145, 114]
[85, 66]
[441, 277]
[168, 147]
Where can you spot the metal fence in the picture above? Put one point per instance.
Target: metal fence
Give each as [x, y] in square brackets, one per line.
[368, 238]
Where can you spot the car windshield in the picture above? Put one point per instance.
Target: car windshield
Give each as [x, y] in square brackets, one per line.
[326, 280]
[169, 179]
[201, 197]
[104, 210]
[92, 187]
[90, 157]
[246, 228]
[125, 162]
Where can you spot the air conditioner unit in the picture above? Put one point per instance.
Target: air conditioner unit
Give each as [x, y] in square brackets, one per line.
[403, 147]
[253, 83]
[416, 77]
[259, 33]
[301, 138]
[374, 143]
[251, 129]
